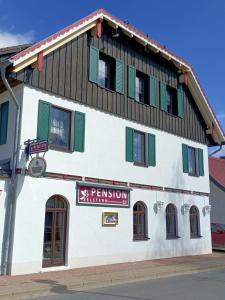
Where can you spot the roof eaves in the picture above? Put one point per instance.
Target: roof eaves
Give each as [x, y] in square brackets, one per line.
[103, 14]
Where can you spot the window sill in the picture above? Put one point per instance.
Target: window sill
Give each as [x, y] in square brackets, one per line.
[140, 239]
[196, 237]
[140, 164]
[55, 148]
[173, 237]
[193, 175]
[107, 89]
[171, 115]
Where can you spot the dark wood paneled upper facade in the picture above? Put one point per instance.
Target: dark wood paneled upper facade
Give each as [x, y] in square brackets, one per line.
[66, 73]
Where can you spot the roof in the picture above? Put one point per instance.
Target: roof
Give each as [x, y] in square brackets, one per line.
[29, 56]
[13, 49]
[217, 170]
[7, 52]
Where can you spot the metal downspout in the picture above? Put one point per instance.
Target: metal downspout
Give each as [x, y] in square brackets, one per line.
[10, 214]
[217, 150]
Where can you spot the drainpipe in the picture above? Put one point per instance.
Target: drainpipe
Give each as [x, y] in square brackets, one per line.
[10, 214]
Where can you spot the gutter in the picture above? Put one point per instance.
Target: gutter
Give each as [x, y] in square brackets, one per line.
[11, 201]
[217, 150]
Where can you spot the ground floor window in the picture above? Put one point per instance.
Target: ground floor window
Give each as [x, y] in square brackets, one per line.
[55, 232]
[194, 222]
[171, 221]
[139, 221]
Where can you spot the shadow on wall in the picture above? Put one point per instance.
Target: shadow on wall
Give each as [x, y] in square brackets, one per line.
[10, 213]
[177, 181]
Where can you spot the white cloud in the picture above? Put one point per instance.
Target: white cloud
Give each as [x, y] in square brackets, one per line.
[221, 116]
[8, 39]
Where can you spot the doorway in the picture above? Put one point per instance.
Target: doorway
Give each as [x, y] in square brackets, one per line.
[55, 232]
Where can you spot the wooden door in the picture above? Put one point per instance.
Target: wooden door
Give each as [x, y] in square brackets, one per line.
[55, 232]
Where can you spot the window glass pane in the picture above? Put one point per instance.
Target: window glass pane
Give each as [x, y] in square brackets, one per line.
[171, 221]
[139, 89]
[139, 147]
[103, 73]
[194, 222]
[169, 101]
[191, 161]
[139, 221]
[60, 124]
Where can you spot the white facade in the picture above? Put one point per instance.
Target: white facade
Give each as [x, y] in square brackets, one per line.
[88, 242]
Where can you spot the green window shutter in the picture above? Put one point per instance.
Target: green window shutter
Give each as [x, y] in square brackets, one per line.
[129, 144]
[93, 64]
[43, 126]
[163, 96]
[79, 131]
[119, 76]
[4, 112]
[200, 162]
[151, 150]
[153, 91]
[180, 102]
[185, 158]
[131, 81]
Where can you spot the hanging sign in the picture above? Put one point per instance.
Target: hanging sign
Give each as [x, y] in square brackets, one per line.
[102, 196]
[37, 167]
[37, 147]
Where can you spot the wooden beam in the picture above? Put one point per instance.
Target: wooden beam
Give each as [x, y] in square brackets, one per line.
[144, 43]
[113, 25]
[164, 55]
[127, 33]
[154, 49]
[51, 48]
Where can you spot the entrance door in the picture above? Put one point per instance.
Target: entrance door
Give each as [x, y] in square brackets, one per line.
[55, 232]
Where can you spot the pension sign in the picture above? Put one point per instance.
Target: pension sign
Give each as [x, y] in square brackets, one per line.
[102, 196]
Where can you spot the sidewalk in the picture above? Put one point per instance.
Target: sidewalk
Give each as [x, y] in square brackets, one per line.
[41, 284]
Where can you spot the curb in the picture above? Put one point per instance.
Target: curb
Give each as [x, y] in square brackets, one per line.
[92, 281]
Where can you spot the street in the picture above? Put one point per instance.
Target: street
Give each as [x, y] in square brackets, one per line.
[205, 285]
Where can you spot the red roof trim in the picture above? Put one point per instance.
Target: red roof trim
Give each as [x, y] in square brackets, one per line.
[55, 35]
[128, 27]
[85, 19]
[217, 169]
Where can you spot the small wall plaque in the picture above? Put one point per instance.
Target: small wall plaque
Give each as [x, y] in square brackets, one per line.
[109, 218]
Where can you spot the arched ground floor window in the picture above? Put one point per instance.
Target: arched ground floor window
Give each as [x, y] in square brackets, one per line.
[171, 221]
[194, 222]
[139, 221]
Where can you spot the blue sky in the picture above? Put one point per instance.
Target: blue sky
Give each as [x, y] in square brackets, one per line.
[194, 30]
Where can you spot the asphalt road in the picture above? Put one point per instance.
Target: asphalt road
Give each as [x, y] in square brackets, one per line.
[200, 286]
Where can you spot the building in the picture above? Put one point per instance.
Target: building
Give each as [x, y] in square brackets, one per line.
[217, 189]
[128, 128]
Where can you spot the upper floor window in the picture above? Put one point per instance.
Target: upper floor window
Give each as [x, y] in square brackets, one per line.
[60, 127]
[193, 160]
[141, 87]
[139, 221]
[172, 101]
[139, 147]
[194, 222]
[171, 221]
[55, 125]
[106, 71]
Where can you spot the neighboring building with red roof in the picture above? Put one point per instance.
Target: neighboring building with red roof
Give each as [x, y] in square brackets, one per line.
[217, 189]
